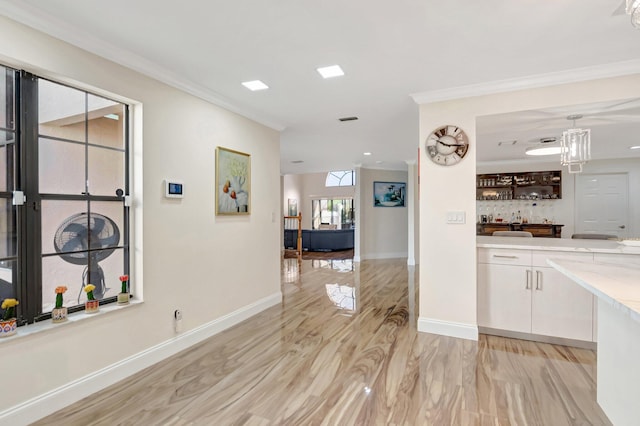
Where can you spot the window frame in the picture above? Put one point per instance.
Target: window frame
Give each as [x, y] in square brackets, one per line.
[344, 178]
[29, 279]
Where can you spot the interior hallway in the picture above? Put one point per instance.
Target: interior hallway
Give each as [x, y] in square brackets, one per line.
[343, 350]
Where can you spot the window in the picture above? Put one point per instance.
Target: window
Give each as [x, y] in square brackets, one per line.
[337, 212]
[341, 178]
[68, 153]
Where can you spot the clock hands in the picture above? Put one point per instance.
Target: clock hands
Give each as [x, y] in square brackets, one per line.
[449, 144]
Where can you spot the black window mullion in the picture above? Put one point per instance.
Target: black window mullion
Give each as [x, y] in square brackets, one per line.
[127, 224]
[30, 291]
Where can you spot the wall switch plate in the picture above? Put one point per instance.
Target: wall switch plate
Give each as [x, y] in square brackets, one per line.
[456, 217]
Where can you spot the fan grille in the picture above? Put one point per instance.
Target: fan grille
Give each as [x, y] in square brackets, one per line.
[86, 235]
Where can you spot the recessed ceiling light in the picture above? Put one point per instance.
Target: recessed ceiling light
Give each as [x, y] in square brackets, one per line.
[367, 153]
[332, 71]
[255, 85]
[635, 147]
[544, 150]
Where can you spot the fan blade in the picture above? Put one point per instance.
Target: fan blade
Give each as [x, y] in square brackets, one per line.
[98, 225]
[111, 241]
[75, 228]
[74, 244]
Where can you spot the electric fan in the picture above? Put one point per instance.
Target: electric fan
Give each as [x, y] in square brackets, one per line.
[82, 232]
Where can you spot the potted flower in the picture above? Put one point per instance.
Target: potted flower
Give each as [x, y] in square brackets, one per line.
[59, 313]
[92, 305]
[8, 323]
[123, 296]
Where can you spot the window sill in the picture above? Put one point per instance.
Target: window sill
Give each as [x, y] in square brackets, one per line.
[43, 326]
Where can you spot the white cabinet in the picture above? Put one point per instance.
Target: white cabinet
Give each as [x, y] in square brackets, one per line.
[560, 307]
[518, 291]
[504, 302]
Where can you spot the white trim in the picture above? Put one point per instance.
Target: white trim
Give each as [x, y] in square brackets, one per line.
[56, 399]
[448, 328]
[375, 256]
[40, 21]
[615, 69]
[411, 261]
[357, 259]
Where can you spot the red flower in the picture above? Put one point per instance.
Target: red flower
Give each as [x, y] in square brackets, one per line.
[124, 278]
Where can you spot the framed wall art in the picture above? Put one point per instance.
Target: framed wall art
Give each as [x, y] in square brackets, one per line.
[389, 194]
[233, 182]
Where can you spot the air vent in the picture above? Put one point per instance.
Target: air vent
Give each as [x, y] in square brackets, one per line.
[551, 139]
[297, 161]
[348, 118]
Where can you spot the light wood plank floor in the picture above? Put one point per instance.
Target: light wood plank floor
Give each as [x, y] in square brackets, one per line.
[343, 350]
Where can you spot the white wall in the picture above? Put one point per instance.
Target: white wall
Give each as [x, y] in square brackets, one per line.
[184, 255]
[447, 252]
[383, 232]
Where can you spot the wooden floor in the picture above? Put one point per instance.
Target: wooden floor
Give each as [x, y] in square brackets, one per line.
[343, 350]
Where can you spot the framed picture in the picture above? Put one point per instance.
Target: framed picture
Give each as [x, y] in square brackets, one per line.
[389, 194]
[233, 182]
[293, 207]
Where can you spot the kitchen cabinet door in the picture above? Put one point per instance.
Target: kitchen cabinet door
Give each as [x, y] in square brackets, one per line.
[560, 307]
[504, 301]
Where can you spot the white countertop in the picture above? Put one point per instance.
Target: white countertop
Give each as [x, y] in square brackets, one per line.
[618, 285]
[556, 244]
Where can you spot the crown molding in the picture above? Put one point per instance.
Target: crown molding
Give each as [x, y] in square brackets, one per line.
[33, 17]
[614, 69]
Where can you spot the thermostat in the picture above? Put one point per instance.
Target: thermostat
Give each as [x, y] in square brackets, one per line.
[173, 188]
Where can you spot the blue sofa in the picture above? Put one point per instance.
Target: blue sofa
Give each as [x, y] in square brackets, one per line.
[320, 239]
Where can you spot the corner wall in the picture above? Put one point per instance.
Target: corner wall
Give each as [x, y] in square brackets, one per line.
[448, 294]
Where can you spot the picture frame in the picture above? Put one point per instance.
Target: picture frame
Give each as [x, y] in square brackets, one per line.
[233, 182]
[292, 207]
[389, 194]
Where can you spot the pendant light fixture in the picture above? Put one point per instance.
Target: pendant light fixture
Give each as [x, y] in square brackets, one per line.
[576, 146]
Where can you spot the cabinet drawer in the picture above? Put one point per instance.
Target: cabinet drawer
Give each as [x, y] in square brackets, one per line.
[540, 257]
[504, 256]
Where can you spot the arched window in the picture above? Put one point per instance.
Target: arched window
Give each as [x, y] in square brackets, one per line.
[341, 178]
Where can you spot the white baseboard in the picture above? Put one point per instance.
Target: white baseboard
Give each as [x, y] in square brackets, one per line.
[374, 256]
[56, 399]
[447, 328]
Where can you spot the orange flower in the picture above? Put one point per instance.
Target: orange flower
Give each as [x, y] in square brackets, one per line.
[61, 289]
[124, 278]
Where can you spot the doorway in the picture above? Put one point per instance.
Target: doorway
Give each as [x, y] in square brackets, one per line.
[602, 204]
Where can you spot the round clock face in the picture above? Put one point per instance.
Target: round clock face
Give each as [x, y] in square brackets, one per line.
[447, 145]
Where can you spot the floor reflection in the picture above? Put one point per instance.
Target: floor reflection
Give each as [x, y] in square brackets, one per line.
[343, 296]
[340, 265]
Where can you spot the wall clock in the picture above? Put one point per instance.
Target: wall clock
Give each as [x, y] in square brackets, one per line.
[447, 145]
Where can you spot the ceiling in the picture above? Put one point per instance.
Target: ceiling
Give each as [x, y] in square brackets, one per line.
[388, 51]
[615, 127]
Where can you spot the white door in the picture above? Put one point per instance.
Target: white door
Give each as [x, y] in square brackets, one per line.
[602, 204]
